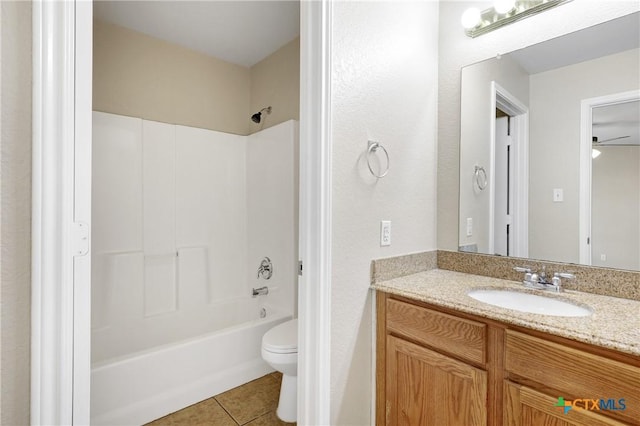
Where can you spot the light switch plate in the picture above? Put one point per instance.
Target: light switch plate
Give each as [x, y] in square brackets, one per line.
[558, 195]
[385, 233]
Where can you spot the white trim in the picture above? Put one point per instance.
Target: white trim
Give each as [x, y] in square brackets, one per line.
[314, 296]
[60, 310]
[492, 167]
[52, 205]
[521, 187]
[586, 127]
[82, 211]
[52, 394]
[508, 103]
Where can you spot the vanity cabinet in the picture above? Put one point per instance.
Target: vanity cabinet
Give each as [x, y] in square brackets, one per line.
[427, 388]
[436, 366]
[526, 406]
[576, 374]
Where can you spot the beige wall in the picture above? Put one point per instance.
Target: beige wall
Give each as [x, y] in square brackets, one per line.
[554, 134]
[141, 76]
[15, 202]
[275, 81]
[457, 50]
[615, 208]
[383, 87]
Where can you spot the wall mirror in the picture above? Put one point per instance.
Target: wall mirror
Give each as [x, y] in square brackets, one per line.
[550, 150]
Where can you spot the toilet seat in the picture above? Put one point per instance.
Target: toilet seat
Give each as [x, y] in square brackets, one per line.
[282, 339]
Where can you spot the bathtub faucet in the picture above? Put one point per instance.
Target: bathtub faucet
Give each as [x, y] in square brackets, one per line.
[265, 270]
[262, 291]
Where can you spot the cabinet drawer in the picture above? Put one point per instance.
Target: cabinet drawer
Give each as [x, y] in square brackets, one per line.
[463, 338]
[579, 374]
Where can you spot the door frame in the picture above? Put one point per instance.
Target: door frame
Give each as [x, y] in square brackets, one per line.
[61, 212]
[314, 284]
[586, 135]
[519, 113]
[61, 208]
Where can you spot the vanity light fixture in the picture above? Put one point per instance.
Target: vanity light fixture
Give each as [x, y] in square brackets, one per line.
[471, 18]
[503, 12]
[504, 6]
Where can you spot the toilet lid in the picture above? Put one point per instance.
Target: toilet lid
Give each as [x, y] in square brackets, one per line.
[282, 339]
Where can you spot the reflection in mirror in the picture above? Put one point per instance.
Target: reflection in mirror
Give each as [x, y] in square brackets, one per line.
[521, 122]
[615, 185]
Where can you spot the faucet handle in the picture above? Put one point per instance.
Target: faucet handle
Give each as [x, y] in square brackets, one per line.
[528, 276]
[557, 279]
[566, 275]
[265, 270]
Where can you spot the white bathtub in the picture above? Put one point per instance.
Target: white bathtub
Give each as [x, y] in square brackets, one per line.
[147, 385]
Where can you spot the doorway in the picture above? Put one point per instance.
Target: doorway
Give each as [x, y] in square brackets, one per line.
[509, 175]
[61, 281]
[609, 181]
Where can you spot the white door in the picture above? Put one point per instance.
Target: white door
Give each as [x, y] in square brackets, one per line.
[503, 232]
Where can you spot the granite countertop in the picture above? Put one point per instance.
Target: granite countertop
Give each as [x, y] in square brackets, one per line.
[614, 323]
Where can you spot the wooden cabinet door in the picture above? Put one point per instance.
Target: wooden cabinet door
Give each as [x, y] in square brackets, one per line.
[524, 406]
[426, 388]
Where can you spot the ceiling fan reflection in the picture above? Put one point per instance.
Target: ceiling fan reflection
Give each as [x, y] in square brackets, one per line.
[603, 143]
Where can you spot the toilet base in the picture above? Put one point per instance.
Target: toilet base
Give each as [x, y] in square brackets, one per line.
[288, 405]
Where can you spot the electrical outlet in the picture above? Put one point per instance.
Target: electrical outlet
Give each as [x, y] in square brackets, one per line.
[385, 233]
[469, 226]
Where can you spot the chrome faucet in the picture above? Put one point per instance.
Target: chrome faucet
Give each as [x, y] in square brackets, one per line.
[265, 270]
[262, 291]
[540, 281]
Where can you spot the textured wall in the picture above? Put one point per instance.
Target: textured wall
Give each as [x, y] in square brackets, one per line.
[457, 50]
[15, 202]
[384, 83]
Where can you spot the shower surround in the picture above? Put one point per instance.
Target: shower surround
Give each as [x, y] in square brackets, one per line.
[181, 220]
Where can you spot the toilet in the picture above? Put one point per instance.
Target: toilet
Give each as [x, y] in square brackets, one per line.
[280, 351]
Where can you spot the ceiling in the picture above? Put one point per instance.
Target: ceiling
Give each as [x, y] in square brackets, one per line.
[241, 32]
[614, 125]
[617, 124]
[594, 42]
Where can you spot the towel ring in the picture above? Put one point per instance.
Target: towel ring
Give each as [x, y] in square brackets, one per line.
[373, 147]
[481, 177]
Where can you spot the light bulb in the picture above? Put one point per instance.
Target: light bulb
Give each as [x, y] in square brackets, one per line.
[595, 153]
[504, 6]
[471, 18]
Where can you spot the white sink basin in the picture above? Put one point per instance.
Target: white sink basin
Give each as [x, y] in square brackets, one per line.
[527, 302]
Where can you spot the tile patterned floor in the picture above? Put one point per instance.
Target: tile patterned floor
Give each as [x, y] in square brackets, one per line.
[252, 404]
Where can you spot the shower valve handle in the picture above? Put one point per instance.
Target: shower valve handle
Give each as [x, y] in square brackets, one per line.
[265, 270]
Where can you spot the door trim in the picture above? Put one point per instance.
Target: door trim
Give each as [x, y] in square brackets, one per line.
[61, 184]
[586, 134]
[314, 293]
[519, 112]
[61, 335]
